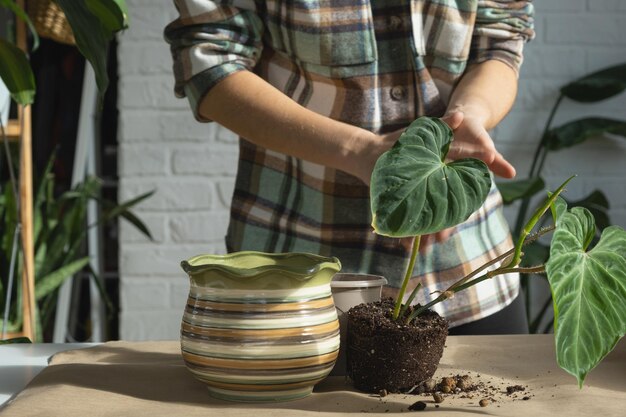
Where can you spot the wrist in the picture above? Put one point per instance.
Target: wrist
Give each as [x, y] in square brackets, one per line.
[363, 151]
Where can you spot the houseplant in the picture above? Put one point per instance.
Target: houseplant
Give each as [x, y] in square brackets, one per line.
[59, 235]
[94, 23]
[589, 89]
[414, 192]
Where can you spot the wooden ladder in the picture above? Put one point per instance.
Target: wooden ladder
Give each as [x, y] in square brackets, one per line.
[20, 129]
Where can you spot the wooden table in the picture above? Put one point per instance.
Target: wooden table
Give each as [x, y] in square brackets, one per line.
[149, 379]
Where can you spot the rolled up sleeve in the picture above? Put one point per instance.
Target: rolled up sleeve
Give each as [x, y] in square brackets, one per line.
[501, 29]
[209, 41]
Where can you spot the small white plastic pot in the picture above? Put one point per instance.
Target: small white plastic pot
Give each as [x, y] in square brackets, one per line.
[350, 290]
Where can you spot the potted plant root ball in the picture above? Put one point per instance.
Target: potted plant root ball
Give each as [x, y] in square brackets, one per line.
[395, 346]
[391, 355]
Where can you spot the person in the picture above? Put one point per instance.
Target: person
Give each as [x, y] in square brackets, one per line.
[317, 90]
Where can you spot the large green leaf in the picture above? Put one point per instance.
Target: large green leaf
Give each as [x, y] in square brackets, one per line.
[598, 205]
[578, 131]
[414, 191]
[589, 291]
[112, 13]
[16, 73]
[518, 189]
[558, 209]
[94, 25]
[597, 86]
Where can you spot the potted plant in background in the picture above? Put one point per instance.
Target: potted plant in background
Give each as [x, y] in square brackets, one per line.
[395, 346]
[93, 25]
[60, 234]
[591, 88]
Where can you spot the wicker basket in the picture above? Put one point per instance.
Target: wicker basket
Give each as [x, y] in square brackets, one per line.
[50, 21]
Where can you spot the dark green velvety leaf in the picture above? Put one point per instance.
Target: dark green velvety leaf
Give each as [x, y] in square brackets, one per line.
[16, 73]
[578, 131]
[589, 292]
[519, 189]
[598, 86]
[414, 192]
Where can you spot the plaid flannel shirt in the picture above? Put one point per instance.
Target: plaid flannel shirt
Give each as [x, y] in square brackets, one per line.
[377, 64]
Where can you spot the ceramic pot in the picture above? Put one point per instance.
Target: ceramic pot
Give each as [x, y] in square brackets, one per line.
[350, 290]
[258, 326]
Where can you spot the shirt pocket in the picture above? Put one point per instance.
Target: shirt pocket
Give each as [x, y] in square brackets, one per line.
[447, 27]
[323, 32]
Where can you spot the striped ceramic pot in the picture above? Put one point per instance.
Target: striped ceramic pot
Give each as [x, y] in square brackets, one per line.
[260, 326]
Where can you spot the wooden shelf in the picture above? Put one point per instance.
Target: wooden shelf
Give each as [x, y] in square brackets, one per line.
[12, 130]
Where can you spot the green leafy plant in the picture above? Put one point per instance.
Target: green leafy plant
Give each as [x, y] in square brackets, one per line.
[591, 88]
[414, 191]
[93, 22]
[60, 230]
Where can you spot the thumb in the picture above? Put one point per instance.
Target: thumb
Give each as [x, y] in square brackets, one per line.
[453, 119]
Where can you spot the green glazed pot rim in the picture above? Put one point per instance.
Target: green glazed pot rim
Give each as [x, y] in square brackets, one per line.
[299, 265]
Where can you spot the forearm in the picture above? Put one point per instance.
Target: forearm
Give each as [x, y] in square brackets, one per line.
[486, 91]
[255, 110]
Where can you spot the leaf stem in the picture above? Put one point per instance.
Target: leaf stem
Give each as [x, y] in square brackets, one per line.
[407, 277]
[467, 281]
[528, 227]
[409, 300]
[482, 268]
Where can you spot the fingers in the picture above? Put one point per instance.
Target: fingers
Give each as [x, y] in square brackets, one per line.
[502, 168]
[461, 150]
[471, 144]
[454, 119]
[471, 140]
[494, 160]
[438, 237]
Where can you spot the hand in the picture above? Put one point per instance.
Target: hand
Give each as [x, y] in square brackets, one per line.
[471, 140]
[378, 144]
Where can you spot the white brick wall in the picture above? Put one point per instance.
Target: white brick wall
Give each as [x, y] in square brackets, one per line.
[192, 165]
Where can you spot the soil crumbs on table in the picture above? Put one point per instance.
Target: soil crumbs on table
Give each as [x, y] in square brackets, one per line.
[476, 391]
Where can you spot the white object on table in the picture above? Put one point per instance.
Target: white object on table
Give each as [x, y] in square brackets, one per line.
[5, 104]
[21, 362]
